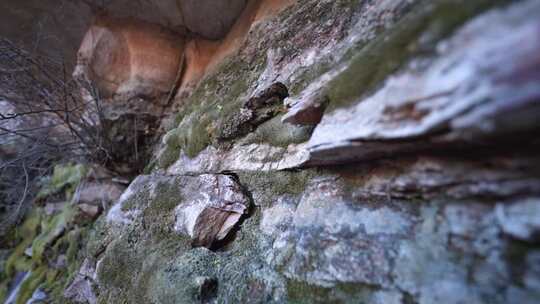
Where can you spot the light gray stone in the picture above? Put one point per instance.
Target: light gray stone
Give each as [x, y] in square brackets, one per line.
[520, 219]
[477, 86]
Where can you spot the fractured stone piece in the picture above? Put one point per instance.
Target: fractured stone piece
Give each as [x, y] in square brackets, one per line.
[210, 216]
[98, 193]
[307, 110]
[521, 220]
[254, 112]
[80, 290]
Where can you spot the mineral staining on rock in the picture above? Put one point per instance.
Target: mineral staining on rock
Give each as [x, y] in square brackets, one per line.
[129, 57]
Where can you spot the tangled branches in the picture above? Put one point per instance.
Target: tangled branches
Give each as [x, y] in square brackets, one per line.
[43, 119]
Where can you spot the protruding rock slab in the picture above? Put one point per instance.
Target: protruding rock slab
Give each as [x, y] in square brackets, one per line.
[521, 219]
[211, 214]
[204, 208]
[482, 84]
[252, 157]
[307, 110]
[81, 290]
[129, 57]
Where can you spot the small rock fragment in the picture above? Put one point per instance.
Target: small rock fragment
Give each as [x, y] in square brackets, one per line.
[520, 220]
[308, 111]
[102, 193]
[210, 217]
[90, 211]
[276, 90]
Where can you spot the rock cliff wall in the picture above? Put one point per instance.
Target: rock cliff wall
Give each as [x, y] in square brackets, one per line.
[320, 152]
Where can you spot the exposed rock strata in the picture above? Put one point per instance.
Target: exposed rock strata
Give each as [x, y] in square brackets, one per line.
[478, 88]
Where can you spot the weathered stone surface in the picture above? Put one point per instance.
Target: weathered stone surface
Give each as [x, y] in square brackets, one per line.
[438, 226]
[307, 111]
[211, 214]
[207, 207]
[100, 193]
[81, 289]
[128, 57]
[476, 87]
[89, 211]
[254, 112]
[328, 235]
[252, 157]
[520, 219]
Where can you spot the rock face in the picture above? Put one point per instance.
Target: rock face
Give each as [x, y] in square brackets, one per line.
[346, 152]
[56, 28]
[208, 206]
[438, 102]
[126, 56]
[210, 217]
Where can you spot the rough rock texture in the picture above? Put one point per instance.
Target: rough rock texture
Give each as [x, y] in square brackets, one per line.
[457, 97]
[213, 211]
[55, 28]
[453, 223]
[129, 57]
[419, 184]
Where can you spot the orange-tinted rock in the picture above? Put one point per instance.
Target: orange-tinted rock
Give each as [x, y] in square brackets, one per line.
[203, 56]
[129, 57]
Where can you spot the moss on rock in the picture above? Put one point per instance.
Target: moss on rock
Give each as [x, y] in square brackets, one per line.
[278, 134]
[415, 34]
[64, 177]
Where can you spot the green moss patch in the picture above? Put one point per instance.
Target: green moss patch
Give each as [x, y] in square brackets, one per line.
[65, 177]
[415, 34]
[278, 134]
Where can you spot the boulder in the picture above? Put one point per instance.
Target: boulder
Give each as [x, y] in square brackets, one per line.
[128, 57]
